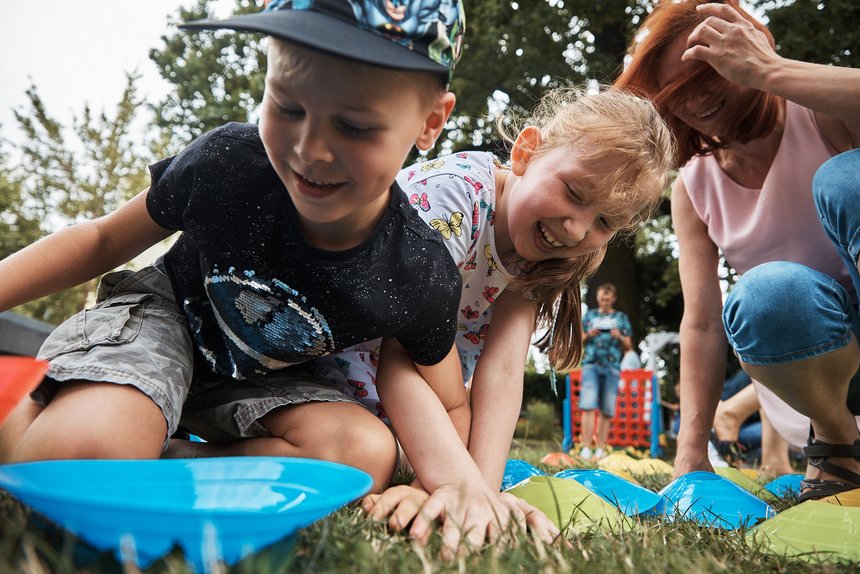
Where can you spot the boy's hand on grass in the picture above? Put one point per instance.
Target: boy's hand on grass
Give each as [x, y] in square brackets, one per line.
[400, 504]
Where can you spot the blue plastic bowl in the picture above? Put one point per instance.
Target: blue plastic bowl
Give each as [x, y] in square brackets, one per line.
[517, 470]
[629, 498]
[714, 501]
[214, 508]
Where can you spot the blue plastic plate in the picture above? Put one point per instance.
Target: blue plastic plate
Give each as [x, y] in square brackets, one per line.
[214, 508]
[785, 485]
[629, 498]
[517, 470]
[714, 501]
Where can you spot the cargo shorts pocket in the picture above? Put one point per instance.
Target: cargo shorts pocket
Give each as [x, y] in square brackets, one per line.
[112, 322]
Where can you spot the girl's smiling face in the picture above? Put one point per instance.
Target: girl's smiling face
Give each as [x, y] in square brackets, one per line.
[554, 204]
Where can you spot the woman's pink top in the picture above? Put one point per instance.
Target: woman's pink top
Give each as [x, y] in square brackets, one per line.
[777, 222]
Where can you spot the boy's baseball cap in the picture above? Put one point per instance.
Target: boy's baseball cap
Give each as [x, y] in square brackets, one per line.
[423, 35]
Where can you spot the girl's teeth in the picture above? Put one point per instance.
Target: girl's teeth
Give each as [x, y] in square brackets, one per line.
[547, 236]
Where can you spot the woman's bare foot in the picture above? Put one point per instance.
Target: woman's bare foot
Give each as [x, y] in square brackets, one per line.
[770, 472]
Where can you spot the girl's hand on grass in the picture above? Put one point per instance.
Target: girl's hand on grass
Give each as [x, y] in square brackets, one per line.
[538, 522]
[470, 514]
[400, 504]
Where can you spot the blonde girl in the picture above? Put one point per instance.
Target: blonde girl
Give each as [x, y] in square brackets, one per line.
[583, 168]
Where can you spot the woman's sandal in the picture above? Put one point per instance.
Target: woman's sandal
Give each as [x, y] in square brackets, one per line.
[818, 453]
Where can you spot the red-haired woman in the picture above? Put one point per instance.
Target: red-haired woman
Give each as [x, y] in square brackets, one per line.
[752, 130]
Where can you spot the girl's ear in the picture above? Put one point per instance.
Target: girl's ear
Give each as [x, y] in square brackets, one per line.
[435, 121]
[524, 148]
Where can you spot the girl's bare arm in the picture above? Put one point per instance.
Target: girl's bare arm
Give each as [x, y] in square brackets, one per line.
[497, 385]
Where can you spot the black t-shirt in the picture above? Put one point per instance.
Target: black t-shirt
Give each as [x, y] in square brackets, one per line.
[258, 297]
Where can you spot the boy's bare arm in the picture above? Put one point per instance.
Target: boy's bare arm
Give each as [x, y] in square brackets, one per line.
[446, 380]
[78, 253]
[460, 495]
[435, 446]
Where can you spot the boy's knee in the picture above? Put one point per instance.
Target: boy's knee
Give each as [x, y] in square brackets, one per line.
[61, 446]
[371, 441]
[354, 438]
[371, 448]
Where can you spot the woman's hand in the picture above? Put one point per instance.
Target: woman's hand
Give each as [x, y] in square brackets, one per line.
[731, 45]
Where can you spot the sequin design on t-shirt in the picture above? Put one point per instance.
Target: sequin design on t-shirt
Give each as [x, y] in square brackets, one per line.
[270, 323]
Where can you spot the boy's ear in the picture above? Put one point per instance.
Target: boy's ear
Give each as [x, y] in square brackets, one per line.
[435, 121]
[524, 148]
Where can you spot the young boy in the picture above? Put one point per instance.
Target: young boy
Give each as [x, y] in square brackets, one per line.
[295, 241]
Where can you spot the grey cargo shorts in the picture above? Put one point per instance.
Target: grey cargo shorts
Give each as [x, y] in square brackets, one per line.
[137, 335]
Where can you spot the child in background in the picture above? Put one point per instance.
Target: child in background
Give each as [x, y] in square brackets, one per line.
[606, 333]
[295, 241]
[587, 167]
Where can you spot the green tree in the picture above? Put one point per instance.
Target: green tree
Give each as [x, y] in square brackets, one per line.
[511, 54]
[218, 77]
[514, 51]
[61, 182]
[18, 227]
[821, 31]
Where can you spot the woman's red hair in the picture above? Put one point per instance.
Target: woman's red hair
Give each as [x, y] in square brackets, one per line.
[669, 20]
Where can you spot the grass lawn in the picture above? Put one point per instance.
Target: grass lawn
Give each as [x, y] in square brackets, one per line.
[346, 542]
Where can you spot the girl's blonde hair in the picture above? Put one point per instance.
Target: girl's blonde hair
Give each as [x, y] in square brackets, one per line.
[630, 134]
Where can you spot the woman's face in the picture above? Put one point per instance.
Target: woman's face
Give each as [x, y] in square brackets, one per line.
[712, 108]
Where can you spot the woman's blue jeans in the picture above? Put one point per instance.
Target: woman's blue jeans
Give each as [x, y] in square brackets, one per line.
[779, 312]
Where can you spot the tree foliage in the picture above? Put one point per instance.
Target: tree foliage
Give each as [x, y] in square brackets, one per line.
[217, 77]
[61, 181]
[18, 225]
[820, 31]
[515, 50]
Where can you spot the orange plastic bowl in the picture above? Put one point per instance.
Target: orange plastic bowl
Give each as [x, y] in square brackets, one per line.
[18, 377]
